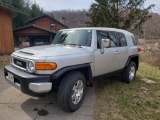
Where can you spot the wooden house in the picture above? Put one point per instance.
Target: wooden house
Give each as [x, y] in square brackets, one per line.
[6, 30]
[39, 31]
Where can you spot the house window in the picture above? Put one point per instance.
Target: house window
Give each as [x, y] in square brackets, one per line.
[53, 25]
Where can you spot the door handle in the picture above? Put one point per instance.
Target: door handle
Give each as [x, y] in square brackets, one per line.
[117, 53]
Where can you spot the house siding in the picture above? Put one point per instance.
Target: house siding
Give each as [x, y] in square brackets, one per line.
[46, 22]
[6, 33]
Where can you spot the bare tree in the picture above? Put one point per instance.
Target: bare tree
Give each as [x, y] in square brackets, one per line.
[151, 34]
[74, 18]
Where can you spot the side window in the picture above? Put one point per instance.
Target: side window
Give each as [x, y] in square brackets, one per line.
[106, 35]
[113, 39]
[134, 40]
[121, 39]
[101, 35]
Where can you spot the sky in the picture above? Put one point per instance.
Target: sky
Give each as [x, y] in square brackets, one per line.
[49, 5]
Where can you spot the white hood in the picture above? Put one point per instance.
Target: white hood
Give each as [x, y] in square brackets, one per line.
[52, 50]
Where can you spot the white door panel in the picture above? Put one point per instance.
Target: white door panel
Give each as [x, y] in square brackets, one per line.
[107, 62]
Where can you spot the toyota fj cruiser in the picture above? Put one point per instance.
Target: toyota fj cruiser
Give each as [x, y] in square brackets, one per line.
[72, 61]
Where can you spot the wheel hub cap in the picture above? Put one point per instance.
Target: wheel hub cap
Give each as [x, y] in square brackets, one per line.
[77, 91]
[132, 73]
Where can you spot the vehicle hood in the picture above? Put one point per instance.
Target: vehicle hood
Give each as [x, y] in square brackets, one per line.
[53, 50]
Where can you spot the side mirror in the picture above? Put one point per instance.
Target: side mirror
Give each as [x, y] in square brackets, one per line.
[105, 43]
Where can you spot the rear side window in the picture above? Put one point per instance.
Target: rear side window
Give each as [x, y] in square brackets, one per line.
[113, 39]
[134, 40]
[121, 39]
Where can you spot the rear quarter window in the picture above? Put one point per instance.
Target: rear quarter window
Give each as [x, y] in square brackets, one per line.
[121, 39]
[134, 40]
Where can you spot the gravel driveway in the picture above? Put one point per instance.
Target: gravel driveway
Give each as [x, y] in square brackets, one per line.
[15, 105]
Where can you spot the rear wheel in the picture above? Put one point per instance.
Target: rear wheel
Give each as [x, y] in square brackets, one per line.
[129, 73]
[71, 91]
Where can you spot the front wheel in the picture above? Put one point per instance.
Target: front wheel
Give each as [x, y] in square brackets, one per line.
[129, 73]
[71, 91]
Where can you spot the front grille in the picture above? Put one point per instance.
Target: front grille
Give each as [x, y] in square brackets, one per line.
[20, 63]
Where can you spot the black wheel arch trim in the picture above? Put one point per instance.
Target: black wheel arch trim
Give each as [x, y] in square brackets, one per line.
[64, 70]
[129, 59]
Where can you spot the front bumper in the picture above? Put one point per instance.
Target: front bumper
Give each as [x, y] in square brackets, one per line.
[28, 83]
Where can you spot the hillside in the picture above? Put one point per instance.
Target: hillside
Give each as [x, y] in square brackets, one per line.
[74, 18]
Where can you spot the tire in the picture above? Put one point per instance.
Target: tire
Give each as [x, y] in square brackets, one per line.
[67, 92]
[129, 73]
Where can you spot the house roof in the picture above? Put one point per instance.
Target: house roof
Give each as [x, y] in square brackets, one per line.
[46, 15]
[34, 26]
[10, 9]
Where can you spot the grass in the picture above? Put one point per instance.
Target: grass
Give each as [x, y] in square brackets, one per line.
[139, 100]
[149, 72]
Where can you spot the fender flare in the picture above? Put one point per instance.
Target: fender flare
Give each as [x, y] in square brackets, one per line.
[129, 59]
[64, 70]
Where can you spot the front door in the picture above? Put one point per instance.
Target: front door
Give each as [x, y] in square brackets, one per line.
[107, 62]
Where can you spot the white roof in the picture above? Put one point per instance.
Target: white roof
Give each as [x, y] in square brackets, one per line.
[102, 28]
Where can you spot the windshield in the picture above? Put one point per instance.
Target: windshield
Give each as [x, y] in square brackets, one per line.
[73, 37]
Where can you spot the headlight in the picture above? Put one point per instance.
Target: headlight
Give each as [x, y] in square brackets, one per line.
[31, 67]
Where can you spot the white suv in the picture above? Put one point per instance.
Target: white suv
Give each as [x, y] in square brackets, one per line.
[72, 62]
